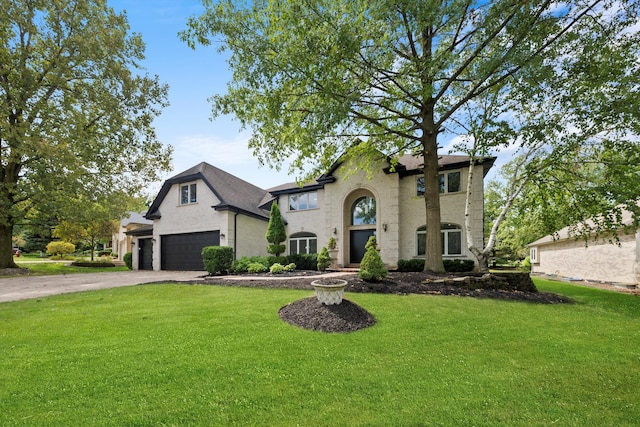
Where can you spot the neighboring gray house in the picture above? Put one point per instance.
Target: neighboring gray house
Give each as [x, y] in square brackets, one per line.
[601, 261]
[205, 206]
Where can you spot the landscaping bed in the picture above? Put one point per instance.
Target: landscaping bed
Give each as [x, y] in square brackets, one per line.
[309, 313]
[403, 283]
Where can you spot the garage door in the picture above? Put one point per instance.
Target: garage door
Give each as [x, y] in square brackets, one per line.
[183, 252]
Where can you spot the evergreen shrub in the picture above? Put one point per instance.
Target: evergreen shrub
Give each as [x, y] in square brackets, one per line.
[128, 260]
[372, 268]
[217, 259]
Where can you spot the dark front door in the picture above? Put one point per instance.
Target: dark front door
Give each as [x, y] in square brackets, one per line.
[183, 252]
[145, 254]
[358, 240]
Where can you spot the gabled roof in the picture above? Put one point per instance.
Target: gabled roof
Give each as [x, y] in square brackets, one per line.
[407, 165]
[573, 232]
[135, 218]
[234, 193]
[413, 165]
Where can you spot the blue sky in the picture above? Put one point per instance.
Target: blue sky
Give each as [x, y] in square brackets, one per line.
[193, 76]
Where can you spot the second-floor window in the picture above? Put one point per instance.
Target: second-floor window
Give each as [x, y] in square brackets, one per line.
[188, 194]
[303, 201]
[449, 183]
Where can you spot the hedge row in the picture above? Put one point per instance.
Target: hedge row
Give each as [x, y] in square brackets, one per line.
[450, 265]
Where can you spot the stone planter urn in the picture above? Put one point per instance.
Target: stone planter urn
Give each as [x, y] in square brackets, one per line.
[329, 291]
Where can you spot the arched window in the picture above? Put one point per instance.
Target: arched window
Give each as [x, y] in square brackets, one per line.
[303, 243]
[451, 239]
[363, 211]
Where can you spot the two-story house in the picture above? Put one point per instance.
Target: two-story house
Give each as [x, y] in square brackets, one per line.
[205, 206]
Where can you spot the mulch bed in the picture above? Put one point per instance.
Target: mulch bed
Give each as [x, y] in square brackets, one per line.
[308, 313]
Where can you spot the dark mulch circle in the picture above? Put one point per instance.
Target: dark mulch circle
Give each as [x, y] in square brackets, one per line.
[309, 313]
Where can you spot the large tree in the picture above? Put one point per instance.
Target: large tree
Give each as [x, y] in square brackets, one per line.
[76, 110]
[574, 123]
[309, 77]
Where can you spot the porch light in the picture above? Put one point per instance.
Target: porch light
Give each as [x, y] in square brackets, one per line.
[384, 226]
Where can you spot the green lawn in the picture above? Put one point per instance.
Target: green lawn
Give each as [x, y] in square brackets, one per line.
[44, 268]
[198, 355]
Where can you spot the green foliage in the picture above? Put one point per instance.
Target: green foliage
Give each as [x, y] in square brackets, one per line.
[304, 261]
[59, 248]
[332, 244]
[276, 250]
[372, 269]
[279, 268]
[324, 260]
[128, 260]
[450, 265]
[526, 264]
[256, 267]
[275, 231]
[459, 265]
[77, 109]
[97, 264]
[300, 261]
[217, 259]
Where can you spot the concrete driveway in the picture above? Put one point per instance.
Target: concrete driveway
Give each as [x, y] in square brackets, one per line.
[26, 287]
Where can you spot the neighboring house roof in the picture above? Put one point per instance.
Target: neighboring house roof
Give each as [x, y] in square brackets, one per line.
[234, 193]
[145, 230]
[569, 232]
[135, 218]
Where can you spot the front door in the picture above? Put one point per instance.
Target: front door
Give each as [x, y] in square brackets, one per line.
[358, 239]
[145, 254]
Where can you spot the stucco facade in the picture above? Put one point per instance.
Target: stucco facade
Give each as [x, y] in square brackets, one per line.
[347, 204]
[400, 212]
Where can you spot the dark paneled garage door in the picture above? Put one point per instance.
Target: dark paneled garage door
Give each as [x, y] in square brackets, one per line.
[183, 252]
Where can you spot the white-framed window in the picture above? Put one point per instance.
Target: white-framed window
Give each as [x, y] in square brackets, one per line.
[450, 182]
[188, 194]
[303, 201]
[451, 239]
[533, 255]
[303, 243]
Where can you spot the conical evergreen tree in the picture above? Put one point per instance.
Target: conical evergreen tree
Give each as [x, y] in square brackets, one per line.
[276, 233]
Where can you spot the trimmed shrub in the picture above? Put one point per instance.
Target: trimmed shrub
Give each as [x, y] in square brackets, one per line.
[303, 261]
[324, 260]
[242, 265]
[100, 264]
[256, 267]
[458, 265]
[276, 269]
[290, 267]
[372, 268]
[332, 244]
[405, 265]
[217, 259]
[450, 265]
[128, 260]
[60, 248]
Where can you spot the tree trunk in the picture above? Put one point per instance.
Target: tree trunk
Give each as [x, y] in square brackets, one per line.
[6, 246]
[433, 249]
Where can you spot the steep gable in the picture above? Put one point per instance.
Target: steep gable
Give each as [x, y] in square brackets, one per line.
[234, 193]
